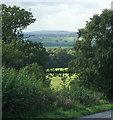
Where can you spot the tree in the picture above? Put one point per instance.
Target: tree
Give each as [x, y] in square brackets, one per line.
[14, 20]
[23, 53]
[95, 63]
[18, 53]
[34, 52]
[60, 58]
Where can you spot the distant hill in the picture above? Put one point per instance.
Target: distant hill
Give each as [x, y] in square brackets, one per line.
[49, 32]
[52, 33]
[52, 38]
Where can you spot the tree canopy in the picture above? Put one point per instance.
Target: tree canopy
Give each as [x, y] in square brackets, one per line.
[95, 63]
[14, 20]
[23, 53]
[18, 53]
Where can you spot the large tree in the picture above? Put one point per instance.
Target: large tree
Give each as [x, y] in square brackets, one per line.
[23, 53]
[14, 20]
[18, 53]
[95, 62]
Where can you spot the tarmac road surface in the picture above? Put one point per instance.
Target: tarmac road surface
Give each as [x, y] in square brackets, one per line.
[106, 114]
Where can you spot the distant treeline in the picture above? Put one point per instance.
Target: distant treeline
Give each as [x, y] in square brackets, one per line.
[58, 44]
[51, 34]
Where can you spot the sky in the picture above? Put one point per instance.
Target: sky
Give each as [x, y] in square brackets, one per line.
[66, 15]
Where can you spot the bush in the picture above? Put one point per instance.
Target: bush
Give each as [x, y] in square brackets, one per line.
[64, 103]
[23, 90]
[74, 91]
[37, 71]
[86, 96]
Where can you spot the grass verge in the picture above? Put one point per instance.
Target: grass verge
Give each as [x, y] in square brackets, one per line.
[77, 113]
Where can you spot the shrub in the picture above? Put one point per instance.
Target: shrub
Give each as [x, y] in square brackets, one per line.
[64, 103]
[23, 90]
[75, 91]
[86, 96]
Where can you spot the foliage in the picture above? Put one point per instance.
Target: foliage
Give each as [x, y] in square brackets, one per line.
[24, 90]
[59, 58]
[24, 82]
[69, 92]
[11, 56]
[14, 20]
[94, 63]
[27, 89]
[18, 55]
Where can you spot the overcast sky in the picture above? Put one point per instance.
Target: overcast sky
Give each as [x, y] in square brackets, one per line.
[69, 15]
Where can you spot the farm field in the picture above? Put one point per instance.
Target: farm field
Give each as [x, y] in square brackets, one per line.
[53, 38]
[55, 41]
[60, 80]
[54, 47]
[57, 81]
[57, 69]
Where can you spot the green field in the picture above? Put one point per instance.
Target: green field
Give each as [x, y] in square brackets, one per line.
[57, 81]
[57, 69]
[55, 41]
[54, 47]
[51, 39]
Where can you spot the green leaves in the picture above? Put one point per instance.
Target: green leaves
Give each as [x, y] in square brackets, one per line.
[14, 20]
[22, 53]
[95, 63]
[60, 58]
[21, 88]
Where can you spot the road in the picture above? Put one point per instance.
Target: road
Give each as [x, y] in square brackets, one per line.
[106, 114]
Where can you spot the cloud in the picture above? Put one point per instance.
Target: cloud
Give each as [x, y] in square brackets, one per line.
[63, 15]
